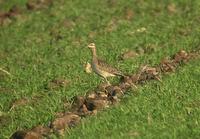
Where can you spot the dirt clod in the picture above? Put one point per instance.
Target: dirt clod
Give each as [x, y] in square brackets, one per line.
[115, 94]
[14, 11]
[124, 86]
[18, 135]
[67, 121]
[167, 65]
[93, 95]
[148, 73]
[33, 135]
[26, 135]
[19, 102]
[103, 87]
[96, 104]
[44, 131]
[58, 83]
[181, 56]
[128, 55]
[78, 102]
[83, 111]
[102, 94]
[67, 23]
[38, 4]
[5, 17]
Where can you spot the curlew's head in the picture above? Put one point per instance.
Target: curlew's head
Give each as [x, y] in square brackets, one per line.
[91, 45]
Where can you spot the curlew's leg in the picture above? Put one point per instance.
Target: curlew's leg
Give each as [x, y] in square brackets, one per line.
[107, 81]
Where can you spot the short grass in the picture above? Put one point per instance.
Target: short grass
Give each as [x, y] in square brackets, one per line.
[157, 110]
[31, 52]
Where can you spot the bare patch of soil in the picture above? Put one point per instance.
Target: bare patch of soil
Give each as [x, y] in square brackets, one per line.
[26, 135]
[64, 122]
[24, 101]
[5, 17]
[128, 55]
[57, 83]
[38, 4]
[19, 102]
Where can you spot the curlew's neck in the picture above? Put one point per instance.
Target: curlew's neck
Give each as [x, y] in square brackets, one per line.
[94, 56]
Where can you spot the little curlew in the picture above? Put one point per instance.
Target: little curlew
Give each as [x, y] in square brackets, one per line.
[101, 68]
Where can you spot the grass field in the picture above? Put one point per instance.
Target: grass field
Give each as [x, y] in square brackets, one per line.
[40, 45]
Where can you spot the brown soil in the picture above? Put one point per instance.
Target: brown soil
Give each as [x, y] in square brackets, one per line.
[5, 17]
[128, 55]
[38, 4]
[57, 83]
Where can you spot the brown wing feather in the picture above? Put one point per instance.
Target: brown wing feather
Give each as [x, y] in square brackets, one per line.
[106, 67]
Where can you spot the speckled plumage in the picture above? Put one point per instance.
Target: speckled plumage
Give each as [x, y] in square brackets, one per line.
[100, 67]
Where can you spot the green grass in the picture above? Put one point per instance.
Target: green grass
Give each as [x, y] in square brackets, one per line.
[157, 110]
[30, 52]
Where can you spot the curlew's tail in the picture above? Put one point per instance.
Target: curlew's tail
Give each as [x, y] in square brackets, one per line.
[119, 74]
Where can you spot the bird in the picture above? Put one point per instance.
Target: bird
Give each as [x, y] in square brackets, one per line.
[100, 67]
